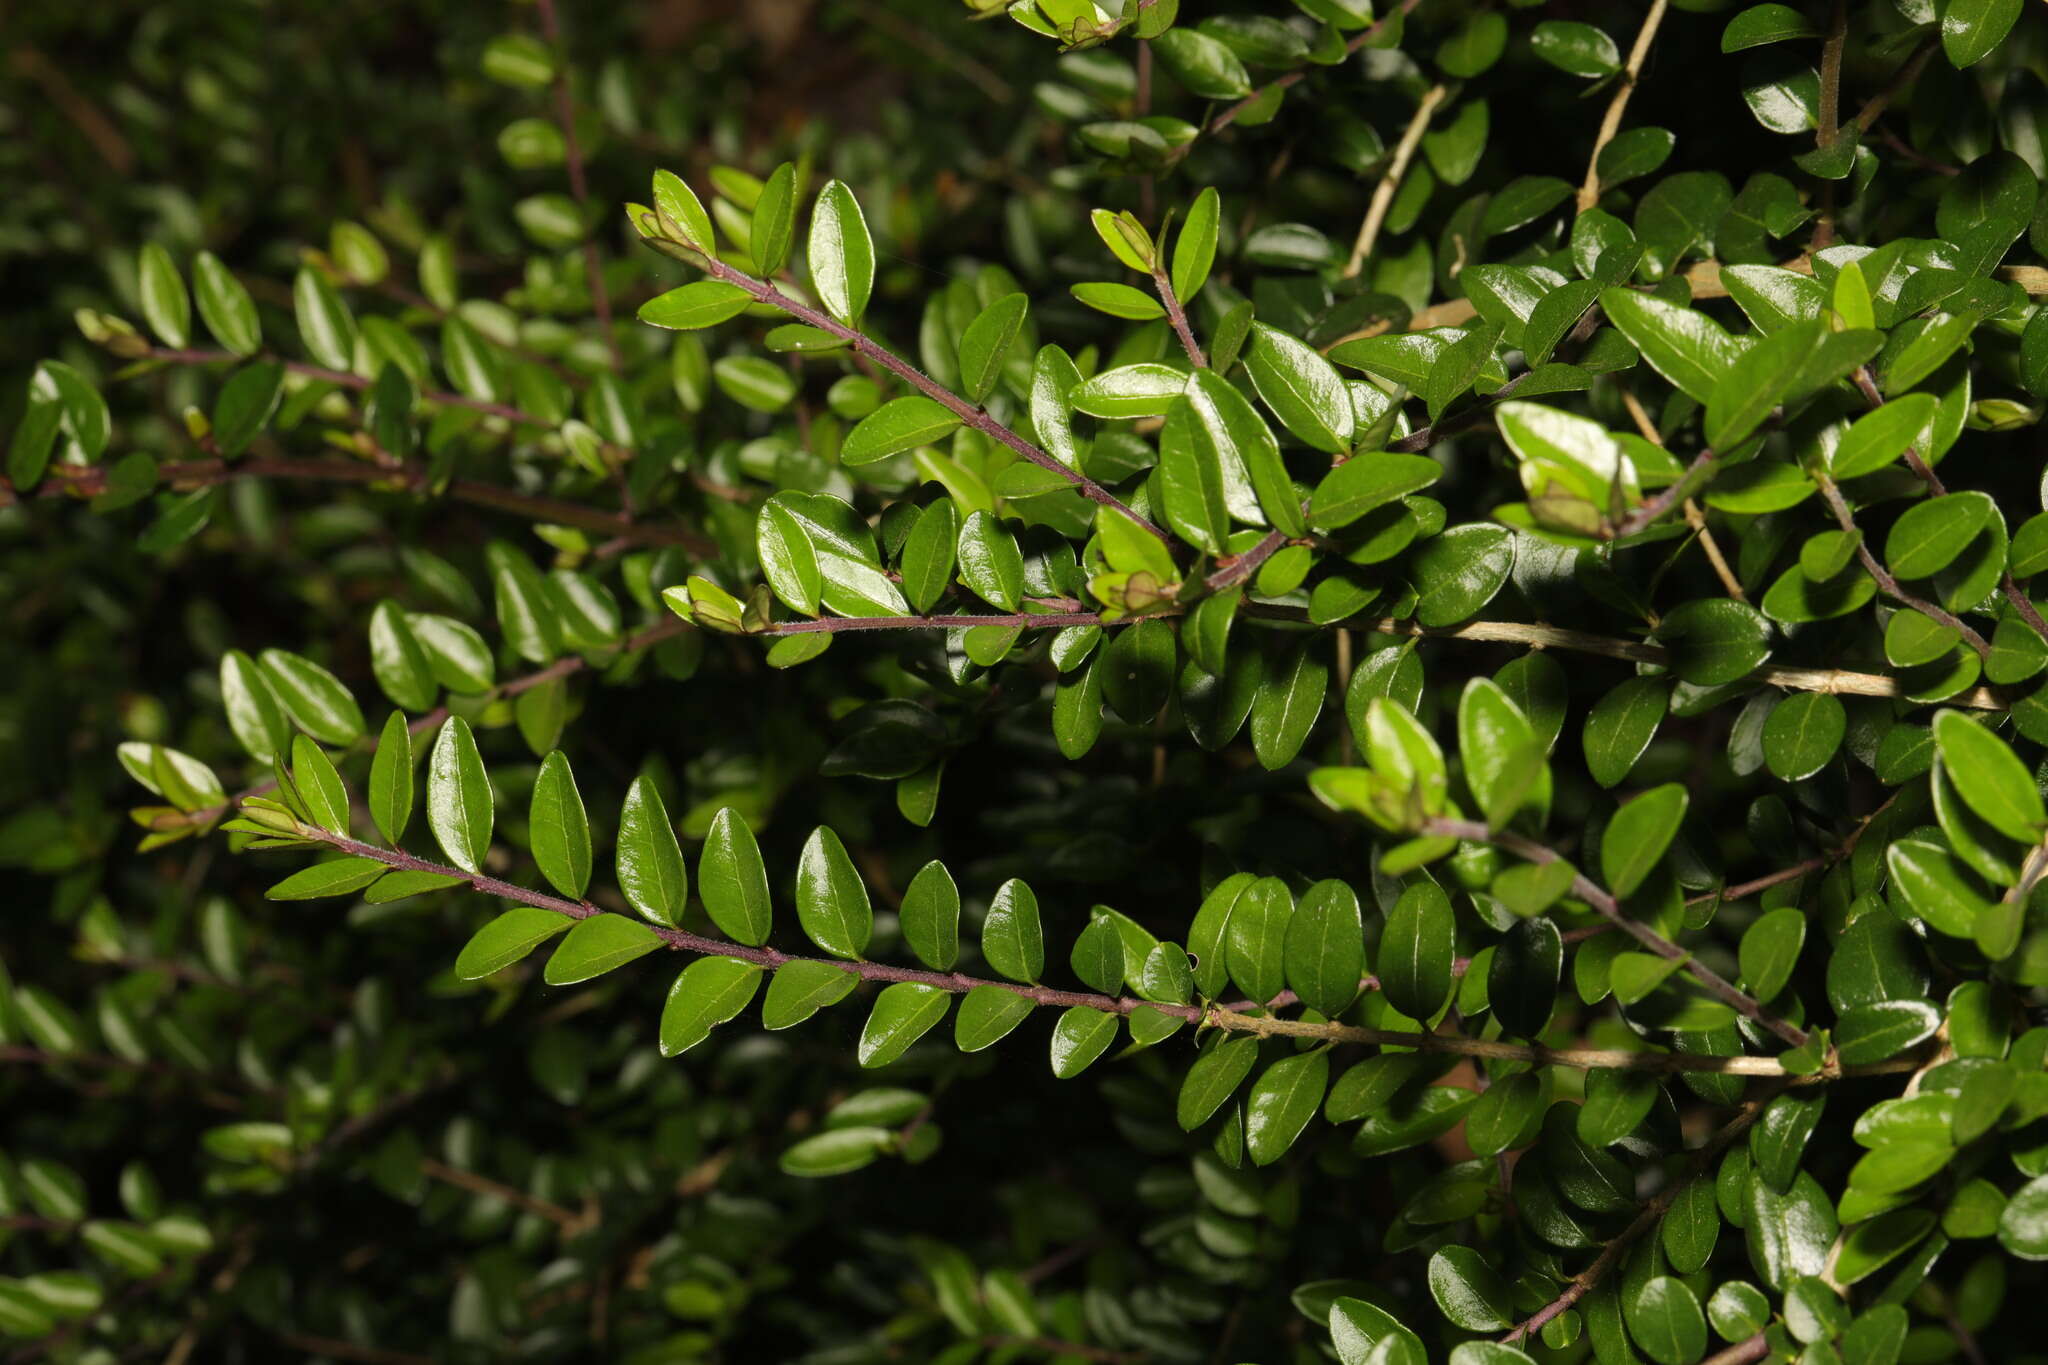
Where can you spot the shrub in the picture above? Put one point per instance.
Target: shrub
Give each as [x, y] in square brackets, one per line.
[1433, 604]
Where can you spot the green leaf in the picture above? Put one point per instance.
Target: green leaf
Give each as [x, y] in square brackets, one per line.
[459, 807]
[1195, 249]
[325, 323]
[1877, 438]
[706, 993]
[1802, 733]
[985, 344]
[838, 1152]
[1990, 777]
[1193, 480]
[335, 877]
[508, 938]
[320, 786]
[1459, 572]
[1256, 938]
[1214, 1077]
[800, 989]
[831, 901]
[1685, 346]
[733, 879]
[1244, 448]
[1011, 937]
[986, 1016]
[1470, 1293]
[597, 945]
[1289, 699]
[2023, 1224]
[1884, 1028]
[558, 829]
[898, 425]
[1932, 533]
[903, 1013]
[696, 305]
[1145, 389]
[391, 780]
[1575, 48]
[991, 565]
[1325, 953]
[225, 306]
[1971, 30]
[1770, 949]
[774, 222]
[1365, 482]
[1757, 382]
[1715, 640]
[1635, 839]
[1081, 1035]
[1620, 727]
[1282, 1101]
[1664, 1318]
[1363, 1333]
[930, 916]
[1522, 981]
[789, 560]
[313, 697]
[1301, 388]
[841, 254]
[1416, 949]
[165, 304]
[684, 213]
[1118, 300]
[1935, 886]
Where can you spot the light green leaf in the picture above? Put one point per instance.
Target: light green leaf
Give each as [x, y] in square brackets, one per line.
[558, 828]
[706, 993]
[459, 809]
[831, 901]
[1638, 835]
[597, 945]
[508, 938]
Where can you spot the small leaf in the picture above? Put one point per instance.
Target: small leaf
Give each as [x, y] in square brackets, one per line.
[733, 880]
[1990, 777]
[985, 344]
[508, 938]
[1281, 1103]
[1638, 834]
[558, 829]
[986, 1016]
[831, 901]
[841, 254]
[391, 780]
[597, 945]
[1470, 1293]
[706, 993]
[931, 917]
[1011, 937]
[1416, 949]
[459, 809]
[1195, 249]
[903, 1013]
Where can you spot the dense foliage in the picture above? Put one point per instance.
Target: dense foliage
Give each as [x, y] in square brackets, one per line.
[1245, 681]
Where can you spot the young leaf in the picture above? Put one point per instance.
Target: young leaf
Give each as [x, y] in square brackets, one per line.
[773, 223]
[1195, 249]
[320, 786]
[165, 304]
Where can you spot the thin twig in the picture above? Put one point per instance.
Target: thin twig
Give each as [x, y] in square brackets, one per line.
[1654, 1209]
[1592, 894]
[346, 380]
[1208, 1015]
[1889, 585]
[1610, 122]
[967, 412]
[1177, 316]
[1383, 193]
[484, 1185]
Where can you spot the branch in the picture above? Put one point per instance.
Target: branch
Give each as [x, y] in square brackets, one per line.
[968, 413]
[484, 1185]
[1901, 78]
[1888, 584]
[1610, 123]
[579, 187]
[1235, 1019]
[91, 480]
[1827, 117]
[1610, 1255]
[1584, 888]
[345, 380]
[1175, 314]
[1383, 193]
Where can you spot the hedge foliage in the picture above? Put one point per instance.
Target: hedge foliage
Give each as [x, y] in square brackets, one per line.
[1267, 682]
